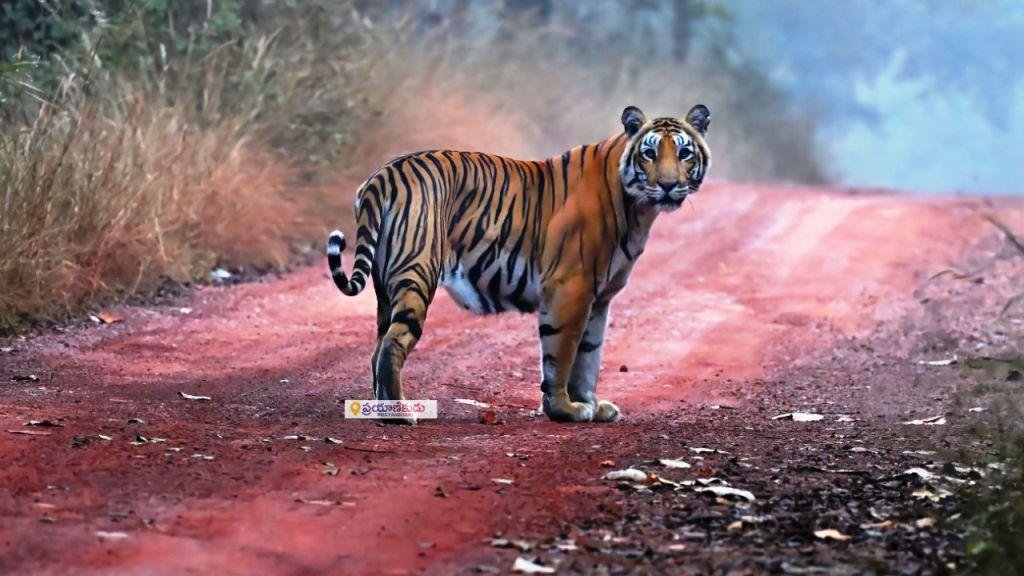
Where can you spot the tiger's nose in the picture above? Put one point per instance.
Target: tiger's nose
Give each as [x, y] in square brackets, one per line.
[667, 186]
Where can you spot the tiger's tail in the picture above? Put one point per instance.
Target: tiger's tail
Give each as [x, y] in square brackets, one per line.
[361, 269]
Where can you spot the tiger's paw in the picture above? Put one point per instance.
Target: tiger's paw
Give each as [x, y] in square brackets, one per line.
[566, 410]
[607, 412]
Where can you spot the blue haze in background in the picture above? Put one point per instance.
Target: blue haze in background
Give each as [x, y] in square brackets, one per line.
[912, 94]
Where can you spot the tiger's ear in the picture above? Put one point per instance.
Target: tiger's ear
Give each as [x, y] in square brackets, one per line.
[700, 118]
[633, 120]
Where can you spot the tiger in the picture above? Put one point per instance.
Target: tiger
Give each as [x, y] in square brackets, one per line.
[558, 237]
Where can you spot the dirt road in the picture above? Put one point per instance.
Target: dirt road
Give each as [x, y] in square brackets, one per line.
[753, 302]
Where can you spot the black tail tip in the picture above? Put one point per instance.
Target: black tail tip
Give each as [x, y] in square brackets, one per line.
[335, 243]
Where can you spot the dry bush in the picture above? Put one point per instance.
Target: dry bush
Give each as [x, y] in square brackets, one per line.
[105, 196]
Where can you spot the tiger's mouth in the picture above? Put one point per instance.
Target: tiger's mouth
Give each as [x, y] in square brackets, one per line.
[672, 199]
[669, 203]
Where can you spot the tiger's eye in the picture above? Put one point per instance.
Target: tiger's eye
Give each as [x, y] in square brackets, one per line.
[649, 154]
[685, 154]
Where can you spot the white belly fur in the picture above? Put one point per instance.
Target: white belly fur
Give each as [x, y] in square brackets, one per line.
[461, 290]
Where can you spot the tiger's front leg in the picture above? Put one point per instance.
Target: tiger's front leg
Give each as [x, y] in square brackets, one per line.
[564, 310]
[587, 367]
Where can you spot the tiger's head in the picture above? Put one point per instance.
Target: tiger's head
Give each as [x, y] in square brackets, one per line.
[666, 158]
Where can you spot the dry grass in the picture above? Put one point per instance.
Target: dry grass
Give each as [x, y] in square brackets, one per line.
[105, 197]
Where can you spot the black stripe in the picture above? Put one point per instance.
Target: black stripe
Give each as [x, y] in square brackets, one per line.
[408, 318]
[548, 330]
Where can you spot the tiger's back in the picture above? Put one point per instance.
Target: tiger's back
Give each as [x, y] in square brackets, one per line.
[490, 219]
[558, 236]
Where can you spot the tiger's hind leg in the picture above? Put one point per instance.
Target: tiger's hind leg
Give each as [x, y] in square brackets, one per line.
[408, 312]
[587, 366]
[383, 322]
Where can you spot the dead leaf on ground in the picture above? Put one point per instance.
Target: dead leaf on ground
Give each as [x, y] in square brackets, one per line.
[107, 318]
[799, 417]
[30, 432]
[24, 378]
[193, 396]
[524, 566]
[140, 440]
[607, 463]
[318, 502]
[329, 440]
[668, 463]
[831, 534]
[470, 402]
[629, 474]
[111, 536]
[566, 545]
[503, 481]
[876, 525]
[944, 362]
[925, 494]
[926, 522]
[44, 424]
[728, 492]
[490, 417]
[521, 545]
[933, 421]
[921, 473]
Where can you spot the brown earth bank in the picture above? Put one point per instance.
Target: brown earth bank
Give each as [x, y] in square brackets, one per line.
[750, 302]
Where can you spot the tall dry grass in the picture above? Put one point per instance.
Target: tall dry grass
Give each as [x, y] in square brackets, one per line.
[104, 196]
[170, 163]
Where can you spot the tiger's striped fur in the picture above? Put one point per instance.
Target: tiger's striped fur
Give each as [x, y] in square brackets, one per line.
[558, 236]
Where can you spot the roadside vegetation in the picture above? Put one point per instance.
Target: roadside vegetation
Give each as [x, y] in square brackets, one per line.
[146, 141]
[994, 506]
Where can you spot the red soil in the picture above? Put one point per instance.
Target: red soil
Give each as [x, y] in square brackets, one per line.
[748, 282]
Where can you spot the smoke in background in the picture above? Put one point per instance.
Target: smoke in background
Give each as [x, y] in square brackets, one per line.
[912, 94]
[534, 78]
